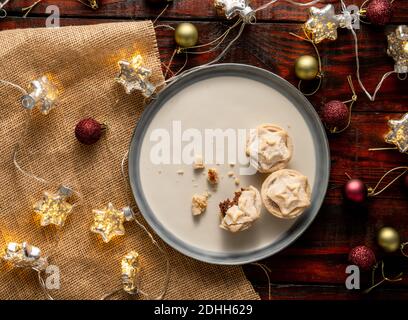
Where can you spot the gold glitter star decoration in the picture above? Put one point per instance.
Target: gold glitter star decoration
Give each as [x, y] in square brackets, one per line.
[398, 48]
[54, 208]
[323, 23]
[135, 77]
[131, 268]
[24, 255]
[233, 8]
[44, 94]
[398, 134]
[108, 222]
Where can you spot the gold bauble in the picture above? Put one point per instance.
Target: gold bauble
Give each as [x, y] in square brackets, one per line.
[388, 239]
[306, 67]
[186, 35]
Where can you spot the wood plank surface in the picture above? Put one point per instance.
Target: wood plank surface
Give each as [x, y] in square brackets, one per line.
[314, 266]
[185, 9]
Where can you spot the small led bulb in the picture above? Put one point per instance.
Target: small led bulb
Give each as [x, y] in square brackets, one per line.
[131, 269]
[44, 94]
[25, 255]
[135, 77]
[233, 8]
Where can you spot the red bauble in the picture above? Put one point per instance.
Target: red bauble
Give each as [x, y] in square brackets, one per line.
[88, 131]
[363, 257]
[335, 115]
[355, 191]
[379, 12]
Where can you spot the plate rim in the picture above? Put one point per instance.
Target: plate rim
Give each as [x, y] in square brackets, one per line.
[248, 72]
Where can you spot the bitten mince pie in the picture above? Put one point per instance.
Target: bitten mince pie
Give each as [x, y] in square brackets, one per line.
[269, 148]
[286, 194]
[239, 213]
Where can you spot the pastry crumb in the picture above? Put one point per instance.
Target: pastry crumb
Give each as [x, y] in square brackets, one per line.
[232, 165]
[237, 181]
[212, 176]
[199, 203]
[180, 172]
[198, 163]
[230, 174]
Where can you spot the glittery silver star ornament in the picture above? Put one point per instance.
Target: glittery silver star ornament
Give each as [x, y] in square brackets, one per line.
[323, 23]
[54, 208]
[233, 8]
[131, 268]
[108, 222]
[135, 77]
[44, 94]
[25, 255]
[398, 48]
[398, 134]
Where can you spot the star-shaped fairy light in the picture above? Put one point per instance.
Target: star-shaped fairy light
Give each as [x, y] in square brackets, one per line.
[24, 255]
[398, 134]
[108, 222]
[135, 77]
[53, 208]
[323, 23]
[233, 8]
[131, 269]
[44, 94]
[398, 48]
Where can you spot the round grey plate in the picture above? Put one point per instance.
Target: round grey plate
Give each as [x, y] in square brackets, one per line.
[318, 136]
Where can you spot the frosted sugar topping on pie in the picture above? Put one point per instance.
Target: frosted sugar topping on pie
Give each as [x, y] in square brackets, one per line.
[239, 213]
[269, 147]
[286, 193]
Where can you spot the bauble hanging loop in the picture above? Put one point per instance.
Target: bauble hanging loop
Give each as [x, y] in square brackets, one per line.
[356, 191]
[93, 4]
[384, 277]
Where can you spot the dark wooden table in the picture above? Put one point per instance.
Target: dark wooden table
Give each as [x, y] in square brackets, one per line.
[314, 266]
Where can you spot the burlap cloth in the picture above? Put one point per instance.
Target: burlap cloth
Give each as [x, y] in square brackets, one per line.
[83, 61]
